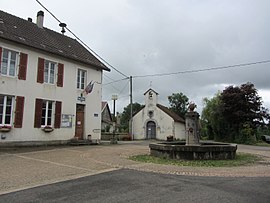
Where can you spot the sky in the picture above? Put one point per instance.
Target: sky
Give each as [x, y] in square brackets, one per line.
[148, 37]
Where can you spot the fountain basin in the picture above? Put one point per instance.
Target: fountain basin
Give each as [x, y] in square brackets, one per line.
[203, 151]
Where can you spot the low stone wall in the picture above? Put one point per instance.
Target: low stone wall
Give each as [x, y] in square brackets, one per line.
[33, 143]
[118, 136]
[205, 151]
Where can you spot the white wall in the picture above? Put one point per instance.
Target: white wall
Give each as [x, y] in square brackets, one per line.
[180, 131]
[165, 125]
[138, 125]
[68, 94]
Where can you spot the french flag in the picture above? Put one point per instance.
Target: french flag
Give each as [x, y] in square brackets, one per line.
[89, 87]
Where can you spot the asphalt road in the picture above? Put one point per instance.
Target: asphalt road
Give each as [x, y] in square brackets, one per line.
[134, 186]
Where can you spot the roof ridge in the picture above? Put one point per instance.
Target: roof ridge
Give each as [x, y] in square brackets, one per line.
[22, 31]
[34, 24]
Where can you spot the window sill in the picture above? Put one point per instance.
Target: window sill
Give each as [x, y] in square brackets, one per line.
[51, 84]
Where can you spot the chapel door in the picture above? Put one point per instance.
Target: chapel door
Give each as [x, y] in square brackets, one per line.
[79, 129]
[151, 130]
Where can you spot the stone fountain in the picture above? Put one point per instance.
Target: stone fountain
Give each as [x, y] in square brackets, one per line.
[193, 148]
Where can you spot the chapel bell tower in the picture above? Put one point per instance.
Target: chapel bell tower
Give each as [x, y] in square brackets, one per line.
[151, 98]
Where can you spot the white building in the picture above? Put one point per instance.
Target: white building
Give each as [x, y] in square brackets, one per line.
[155, 121]
[44, 83]
[106, 118]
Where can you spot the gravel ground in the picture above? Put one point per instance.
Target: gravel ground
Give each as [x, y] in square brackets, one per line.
[23, 168]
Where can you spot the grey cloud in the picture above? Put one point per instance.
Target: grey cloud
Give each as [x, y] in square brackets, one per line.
[141, 37]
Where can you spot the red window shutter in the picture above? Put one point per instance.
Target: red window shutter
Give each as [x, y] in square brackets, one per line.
[0, 58]
[38, 113]
[19, 112]
[23, 66]
[60, 76]
[58, 111]
[40, 72]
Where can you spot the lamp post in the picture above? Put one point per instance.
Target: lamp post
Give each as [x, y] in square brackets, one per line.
[114, 98]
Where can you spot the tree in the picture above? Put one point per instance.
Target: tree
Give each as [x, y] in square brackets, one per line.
[243, 111]
[125, 117]
[179, 103]
[235, 115]
[213, 123]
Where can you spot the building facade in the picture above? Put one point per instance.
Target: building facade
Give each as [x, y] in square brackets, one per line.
[155, 121]
[106, 118]
[50, 85]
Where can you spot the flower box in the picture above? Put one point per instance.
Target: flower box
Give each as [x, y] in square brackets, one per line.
[47, 129]
[5, 128]
[170, 138]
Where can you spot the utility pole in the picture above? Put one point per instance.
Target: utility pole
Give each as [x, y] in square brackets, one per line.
[113, 140]
[131, 110]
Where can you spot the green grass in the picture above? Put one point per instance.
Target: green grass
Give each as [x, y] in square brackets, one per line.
[242, 159]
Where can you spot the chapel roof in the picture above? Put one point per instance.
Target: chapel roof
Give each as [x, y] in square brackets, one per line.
[173, 115]
[150, 89]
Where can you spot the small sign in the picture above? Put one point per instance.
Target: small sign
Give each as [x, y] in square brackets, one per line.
[81, 99]
[66, 121]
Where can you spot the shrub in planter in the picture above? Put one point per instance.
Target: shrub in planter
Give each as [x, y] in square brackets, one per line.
[5, 128]
[47, 129]
[170, 138]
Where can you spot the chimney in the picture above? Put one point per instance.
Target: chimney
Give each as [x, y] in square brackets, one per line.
[40, 19]
[30, 20]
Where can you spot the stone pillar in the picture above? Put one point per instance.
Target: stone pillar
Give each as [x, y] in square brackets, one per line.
[192, 127]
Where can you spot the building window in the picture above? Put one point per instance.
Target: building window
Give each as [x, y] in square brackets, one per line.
[81, 79]
[151, 114]
[9, 62]
[47, 112]
[49, 72]
[150, 95]
[6, 105]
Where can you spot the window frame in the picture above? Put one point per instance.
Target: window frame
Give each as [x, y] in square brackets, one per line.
[17, 57]
[48, 81]
[2, 122]
[79, 79]
[47, 113]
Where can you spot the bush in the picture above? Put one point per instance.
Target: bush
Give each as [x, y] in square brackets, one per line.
[246, 135]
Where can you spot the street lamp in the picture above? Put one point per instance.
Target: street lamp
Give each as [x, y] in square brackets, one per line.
[114, 98]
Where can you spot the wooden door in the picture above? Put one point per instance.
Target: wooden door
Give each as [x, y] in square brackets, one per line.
[151, 130]
[79, 130]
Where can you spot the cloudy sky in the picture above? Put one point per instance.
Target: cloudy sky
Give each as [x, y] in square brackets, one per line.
[146, 37]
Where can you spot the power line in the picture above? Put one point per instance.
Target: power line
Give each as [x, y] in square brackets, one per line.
[113, 88]
[97, 55]
[202, 70]
[124, 88]
[116, 81]
[106, 76]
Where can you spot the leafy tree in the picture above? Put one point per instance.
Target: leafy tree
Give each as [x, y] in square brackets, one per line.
[179, 103]
[242, 108]
[235, 115]
[125, 117]
[212, 120]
